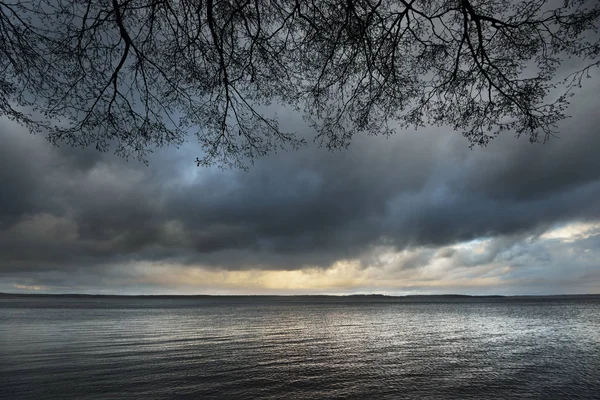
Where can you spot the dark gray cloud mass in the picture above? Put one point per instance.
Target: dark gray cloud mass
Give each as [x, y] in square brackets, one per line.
[64, 209]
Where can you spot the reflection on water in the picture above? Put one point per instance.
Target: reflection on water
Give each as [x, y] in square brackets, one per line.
[105, 348]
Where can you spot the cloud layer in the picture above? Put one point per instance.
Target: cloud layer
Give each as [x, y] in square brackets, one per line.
[419, 210]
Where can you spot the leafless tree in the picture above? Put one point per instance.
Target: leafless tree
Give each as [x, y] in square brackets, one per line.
[142, 73]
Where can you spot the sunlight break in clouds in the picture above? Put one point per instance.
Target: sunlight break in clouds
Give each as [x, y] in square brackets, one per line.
[28, 287]
[344, 277]
[502, 265]
[573, 231]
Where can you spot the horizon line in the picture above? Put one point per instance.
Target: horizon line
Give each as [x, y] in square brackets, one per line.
[447, 295]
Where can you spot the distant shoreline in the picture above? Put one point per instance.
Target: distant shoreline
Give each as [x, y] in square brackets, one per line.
[307, 296]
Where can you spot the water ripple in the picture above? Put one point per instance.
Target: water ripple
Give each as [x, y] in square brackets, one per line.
[159, 348]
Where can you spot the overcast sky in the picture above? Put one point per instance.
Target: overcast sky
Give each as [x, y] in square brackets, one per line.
[415, 213]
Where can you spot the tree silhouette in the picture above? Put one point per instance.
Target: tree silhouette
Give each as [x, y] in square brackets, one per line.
[142, 73]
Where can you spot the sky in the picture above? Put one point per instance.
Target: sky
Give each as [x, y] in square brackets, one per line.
[416, 213]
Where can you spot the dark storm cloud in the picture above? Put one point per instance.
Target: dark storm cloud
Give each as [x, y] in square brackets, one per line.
[63, 209]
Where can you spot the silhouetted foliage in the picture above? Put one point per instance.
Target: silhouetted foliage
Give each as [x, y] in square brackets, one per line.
[143, 73]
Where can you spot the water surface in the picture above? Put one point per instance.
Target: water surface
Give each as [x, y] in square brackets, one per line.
[303, 348]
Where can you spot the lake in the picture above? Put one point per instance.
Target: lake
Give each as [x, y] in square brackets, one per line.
[299, 348]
